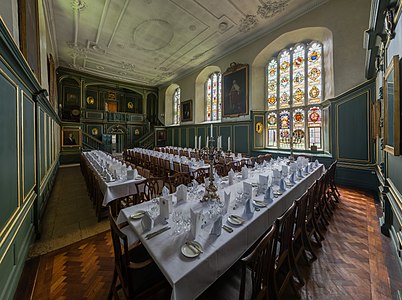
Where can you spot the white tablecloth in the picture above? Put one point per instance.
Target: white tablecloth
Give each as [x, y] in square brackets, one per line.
[116, 189]
[189, 277]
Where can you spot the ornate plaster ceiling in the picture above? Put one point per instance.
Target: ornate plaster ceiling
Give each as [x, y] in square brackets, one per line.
[152, 42]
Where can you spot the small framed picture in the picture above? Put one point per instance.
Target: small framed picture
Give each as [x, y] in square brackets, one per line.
[71, 137]
[187, 111]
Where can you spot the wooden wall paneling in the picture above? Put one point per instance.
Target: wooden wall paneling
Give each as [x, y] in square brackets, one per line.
[42, 145]
[257, 137]
[352, 128]
[184, 137]
[9, 151]
[176, 136]
[191, 135]
[203, 132]
[225, 131]
[28, 133]
[241, 139]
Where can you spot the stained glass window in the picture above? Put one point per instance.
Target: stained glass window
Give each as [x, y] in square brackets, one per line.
[272, 74]
[294, 80]
[213, 92]
[272, 125]
[176, 106]
[284, 129]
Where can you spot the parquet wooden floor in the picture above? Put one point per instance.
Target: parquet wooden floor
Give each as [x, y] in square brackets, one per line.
[355, 261]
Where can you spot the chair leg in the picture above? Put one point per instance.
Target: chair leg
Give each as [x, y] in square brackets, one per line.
[295, 267]
[307, 243]
[112, 290]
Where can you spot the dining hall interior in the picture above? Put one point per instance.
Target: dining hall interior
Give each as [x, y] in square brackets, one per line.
[200, 149]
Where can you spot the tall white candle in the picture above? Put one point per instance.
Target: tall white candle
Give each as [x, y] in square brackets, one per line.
[228, 143]
[207, 141]
[199, 142]
[195, 142]
[211, 131]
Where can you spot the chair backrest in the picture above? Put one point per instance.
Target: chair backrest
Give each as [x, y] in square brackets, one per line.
[185, 168]
[261, 262]
[177, 179]
[121, 254]
[149, 188]
[176, 166]
[285, 229]
[221, 169]
[200, 175]
[301, 209]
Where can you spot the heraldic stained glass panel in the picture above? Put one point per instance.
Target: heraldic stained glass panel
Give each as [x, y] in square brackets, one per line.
[298, 75]
[314, 70]
[272, 128]
[284, 79]
[272, 78]
[299, 133]
[315, 127]
[284, 129]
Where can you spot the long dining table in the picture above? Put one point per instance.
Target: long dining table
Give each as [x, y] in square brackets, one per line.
[116, 188]
[189, 277]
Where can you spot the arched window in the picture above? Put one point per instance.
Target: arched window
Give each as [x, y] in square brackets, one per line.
[176, 106]
[213, 95]
[294, 94]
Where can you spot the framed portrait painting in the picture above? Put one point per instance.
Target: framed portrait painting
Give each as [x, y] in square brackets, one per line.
[186, 111]
[392, 111]
[235, 91]
[71, 137]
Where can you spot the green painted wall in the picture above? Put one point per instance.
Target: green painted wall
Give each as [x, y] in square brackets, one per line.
[26, 127]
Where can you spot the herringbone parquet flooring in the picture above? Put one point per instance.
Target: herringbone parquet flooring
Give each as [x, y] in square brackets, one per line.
[355, 261]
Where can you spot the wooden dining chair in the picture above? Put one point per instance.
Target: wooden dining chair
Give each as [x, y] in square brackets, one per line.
[284, 267]
[251, 277]
[312, 228]
[221, 169]
[134, 273]
[149, 188]
[301, 242]
[334, 192]
[185, 168]
[200, 175]
[177, 179]
[176, 167]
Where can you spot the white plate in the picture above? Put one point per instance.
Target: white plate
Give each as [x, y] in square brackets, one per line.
[138, 177]
[235, 221]
[188, 252]
[259, 203]
[137, 215]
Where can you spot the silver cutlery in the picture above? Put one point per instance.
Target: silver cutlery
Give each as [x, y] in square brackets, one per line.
[227, 228]
[153, 234]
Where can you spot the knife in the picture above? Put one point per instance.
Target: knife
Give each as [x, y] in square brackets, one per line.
[153, 234]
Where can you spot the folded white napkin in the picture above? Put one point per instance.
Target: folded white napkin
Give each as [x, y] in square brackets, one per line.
[217, 227]
[269, 195]
[108, 177]
[292, 178]
[130, 173]
[165, 191]
[300, 173]
[168, 199]
[196, 220]
[247, 190]
[249, 208]
[146, 222]
[231, 176]
[282, 185]
[262, 184]
[181, 193]
[306, 169]
[316, 163]
[206, 182]
[163, 212]
[292, 167]
[244, 172]
[285, 170]
[227, 201]
[135, 173]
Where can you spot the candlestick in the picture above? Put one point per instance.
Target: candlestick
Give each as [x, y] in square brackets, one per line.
[199, 142]
[228, 143]
[195, 142]
[207, 141]
[212, 133]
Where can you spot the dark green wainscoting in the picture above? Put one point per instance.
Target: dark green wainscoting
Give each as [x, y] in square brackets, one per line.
[184, 136]
[28, 159]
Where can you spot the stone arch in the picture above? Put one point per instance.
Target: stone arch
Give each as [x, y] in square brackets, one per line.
[320, 34]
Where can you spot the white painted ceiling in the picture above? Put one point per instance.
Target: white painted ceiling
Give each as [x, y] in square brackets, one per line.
[152, 42]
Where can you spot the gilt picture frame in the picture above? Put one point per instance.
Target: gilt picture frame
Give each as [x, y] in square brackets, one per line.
[235, 91]
[186, 108]
[71, 137]
[392, 107]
